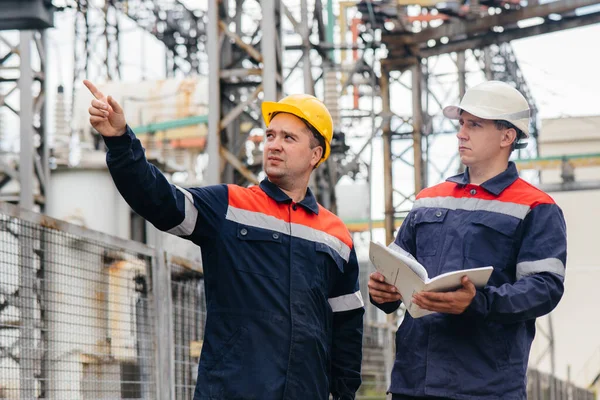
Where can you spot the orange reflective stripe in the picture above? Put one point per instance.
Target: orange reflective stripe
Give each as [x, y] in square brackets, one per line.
[520, 192]
[254, 200]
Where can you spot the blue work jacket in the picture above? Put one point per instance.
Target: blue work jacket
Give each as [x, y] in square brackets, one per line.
[483, 353]
[284, 310]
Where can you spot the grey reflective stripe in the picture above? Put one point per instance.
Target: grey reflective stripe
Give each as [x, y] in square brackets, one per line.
[315, 235]
[472, 204]
[257, 219]
[260, 220]
[553, 265]
[191, 216]
[516, 115]
[395, 247]
[346, 302]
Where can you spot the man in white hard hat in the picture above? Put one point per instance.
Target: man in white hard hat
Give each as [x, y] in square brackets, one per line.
[476, 344]
[284, 310]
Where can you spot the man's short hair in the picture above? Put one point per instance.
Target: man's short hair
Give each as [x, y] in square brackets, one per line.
[316, 140]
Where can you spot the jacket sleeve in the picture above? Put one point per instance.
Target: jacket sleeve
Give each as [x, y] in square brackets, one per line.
[194, 213]
[348, 309]
[405, 244]
[540, 272]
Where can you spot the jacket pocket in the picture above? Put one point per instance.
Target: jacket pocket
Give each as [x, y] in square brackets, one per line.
[492, 240]
[428, 230]
[327, 262]
[252, 244]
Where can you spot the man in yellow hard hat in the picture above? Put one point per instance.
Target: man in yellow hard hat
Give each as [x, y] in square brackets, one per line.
[284, 310]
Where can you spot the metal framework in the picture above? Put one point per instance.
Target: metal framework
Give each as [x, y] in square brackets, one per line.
[482, 32]
[244, 64]
[22, 98]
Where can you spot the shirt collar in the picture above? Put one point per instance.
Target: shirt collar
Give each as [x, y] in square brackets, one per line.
[273, 191]
[495, 185]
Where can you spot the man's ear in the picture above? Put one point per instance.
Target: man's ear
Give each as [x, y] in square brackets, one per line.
[508, 137]
[317, 154]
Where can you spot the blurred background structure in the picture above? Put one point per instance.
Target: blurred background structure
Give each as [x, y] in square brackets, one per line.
[94, 303]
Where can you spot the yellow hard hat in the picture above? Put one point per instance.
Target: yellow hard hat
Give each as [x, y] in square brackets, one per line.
[308, 108]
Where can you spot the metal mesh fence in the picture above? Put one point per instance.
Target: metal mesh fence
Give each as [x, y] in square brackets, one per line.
[83, 316]
[541, 386]
[189, 316]
[75, 322]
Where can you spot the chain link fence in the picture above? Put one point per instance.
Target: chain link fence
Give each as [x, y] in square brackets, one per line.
[75, 317]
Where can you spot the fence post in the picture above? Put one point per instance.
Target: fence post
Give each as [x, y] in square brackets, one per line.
[27, 302]
[162, 302]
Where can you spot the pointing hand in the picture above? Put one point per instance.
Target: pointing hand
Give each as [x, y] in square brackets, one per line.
[106, 115]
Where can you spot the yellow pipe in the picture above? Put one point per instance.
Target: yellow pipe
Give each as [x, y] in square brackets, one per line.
[422, 3]
[556, 163]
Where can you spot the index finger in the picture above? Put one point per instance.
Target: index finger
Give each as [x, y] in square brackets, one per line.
[93, 89]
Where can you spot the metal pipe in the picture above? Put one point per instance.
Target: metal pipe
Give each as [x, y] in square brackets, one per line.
[309, 85]
[387, 158]
[417, 74]
[213, 171]
[269, 51]
[330, 26]
[26, 121]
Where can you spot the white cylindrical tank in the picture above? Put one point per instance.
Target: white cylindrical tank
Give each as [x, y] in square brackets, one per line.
[86, 195]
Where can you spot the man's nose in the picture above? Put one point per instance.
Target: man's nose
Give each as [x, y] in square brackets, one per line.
[274, 144]
[461, 135]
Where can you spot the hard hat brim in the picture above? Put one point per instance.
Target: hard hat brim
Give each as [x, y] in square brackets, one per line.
[453, 112]
[270, 108]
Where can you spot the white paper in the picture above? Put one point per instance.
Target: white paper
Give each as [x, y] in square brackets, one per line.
[410, 277]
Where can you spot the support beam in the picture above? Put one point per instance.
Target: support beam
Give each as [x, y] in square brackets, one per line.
[309, 85]
[26, 117]
[417, 76]
[507, 18]
[388, 182]
[240, 42]
[213, 143]
[237, 164]
[162, 302]
[237, 111]
[269, 43]
[508, 35]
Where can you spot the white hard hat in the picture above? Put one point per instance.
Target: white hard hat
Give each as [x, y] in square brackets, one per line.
[494, 100]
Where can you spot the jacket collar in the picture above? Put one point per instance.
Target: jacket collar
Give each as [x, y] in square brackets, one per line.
[495, 185]
[273, 191]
